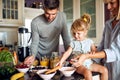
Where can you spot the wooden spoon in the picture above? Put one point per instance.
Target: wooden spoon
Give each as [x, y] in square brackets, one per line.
[53, 70]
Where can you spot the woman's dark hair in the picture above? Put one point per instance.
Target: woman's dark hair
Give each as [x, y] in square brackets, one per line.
[51, 4]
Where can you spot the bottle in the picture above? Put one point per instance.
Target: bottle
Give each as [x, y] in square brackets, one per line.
[33, 5]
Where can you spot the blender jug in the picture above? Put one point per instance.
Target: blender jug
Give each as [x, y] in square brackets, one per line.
[23, 48]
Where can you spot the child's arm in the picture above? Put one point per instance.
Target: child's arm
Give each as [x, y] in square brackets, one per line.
[76, 59]
[66, 54]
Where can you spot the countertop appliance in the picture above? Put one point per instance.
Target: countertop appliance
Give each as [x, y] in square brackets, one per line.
[3, 38]
[23, 48]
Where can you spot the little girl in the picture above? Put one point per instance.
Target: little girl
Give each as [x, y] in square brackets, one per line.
[81, 45]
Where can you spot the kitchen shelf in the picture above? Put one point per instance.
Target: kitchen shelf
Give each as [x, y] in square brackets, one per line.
[12, 12]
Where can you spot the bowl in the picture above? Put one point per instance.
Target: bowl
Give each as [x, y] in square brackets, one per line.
[67, 71]
[37, 68]
[24, 70]
[45, 76]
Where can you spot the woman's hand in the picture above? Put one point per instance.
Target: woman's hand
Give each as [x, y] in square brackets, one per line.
[92, 52]
[29, 60]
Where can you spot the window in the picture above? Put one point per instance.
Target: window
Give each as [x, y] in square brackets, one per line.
[68, 9]
[85, 7]
[10, 9]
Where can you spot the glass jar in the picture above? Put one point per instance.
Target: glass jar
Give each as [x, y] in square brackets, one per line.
[44, 61]
[54, 59]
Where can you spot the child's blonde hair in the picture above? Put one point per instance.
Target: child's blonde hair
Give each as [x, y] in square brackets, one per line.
[81, 24]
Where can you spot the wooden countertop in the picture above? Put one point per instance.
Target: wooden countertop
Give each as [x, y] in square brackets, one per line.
[59, 76]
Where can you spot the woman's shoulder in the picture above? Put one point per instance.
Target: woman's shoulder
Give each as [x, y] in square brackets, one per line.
[109, 21]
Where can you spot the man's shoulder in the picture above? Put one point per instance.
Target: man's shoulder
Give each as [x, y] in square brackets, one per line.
[37, 18]
[61, 13]
[38, 21]
[61, 17]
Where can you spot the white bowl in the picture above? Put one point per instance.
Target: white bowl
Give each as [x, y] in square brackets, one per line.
[67, 71]
[45, 76]
[24, 70]
[41, 71]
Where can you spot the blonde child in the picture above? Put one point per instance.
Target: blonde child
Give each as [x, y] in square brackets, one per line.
[81, 45]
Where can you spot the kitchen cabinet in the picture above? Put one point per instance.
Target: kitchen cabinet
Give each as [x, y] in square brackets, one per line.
[11, 13]
[76, 8]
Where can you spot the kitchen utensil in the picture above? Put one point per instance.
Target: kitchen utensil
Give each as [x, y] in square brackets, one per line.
[53, 70]
[23, 48]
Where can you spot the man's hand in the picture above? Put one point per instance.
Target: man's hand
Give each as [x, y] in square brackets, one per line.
[29, 60]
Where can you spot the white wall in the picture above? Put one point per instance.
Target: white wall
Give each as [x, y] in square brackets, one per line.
[11, 34]
[31, 13]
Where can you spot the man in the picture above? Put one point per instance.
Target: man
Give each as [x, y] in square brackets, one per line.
[109, 48]
[46, 30]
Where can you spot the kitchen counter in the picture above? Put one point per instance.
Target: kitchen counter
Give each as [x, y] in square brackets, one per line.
[59, 76]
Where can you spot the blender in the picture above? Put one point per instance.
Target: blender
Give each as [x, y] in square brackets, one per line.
[23, 48]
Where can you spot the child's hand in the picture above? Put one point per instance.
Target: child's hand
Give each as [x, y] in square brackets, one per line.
[59, 64]
[74, 60]
[75, 63]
